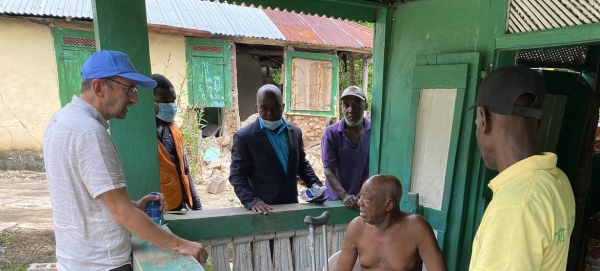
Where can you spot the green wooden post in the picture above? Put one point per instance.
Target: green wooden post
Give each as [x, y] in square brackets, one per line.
[381, 57]
[122, 26]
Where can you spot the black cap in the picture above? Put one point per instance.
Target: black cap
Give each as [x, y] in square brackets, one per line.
[501, 88]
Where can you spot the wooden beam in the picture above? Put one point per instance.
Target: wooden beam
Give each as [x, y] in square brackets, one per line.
[167, 29]
[580, 34]
[262, 52]
[300, 45]
[352, 70]
[225, 223]
[381, 70]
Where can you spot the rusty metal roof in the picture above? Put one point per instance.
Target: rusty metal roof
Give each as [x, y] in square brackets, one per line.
[306, 28]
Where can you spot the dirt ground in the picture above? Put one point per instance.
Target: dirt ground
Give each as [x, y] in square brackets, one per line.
[27, 230]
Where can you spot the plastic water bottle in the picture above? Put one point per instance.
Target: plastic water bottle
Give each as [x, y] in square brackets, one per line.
[153, 210]
[309, 194]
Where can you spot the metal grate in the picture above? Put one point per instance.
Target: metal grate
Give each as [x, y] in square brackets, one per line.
[79, 42]
[208, 49]
[533, 15]
[570, 56]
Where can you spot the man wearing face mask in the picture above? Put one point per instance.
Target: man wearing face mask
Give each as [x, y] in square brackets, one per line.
[345, 149]
[267, 155]
[176, 182]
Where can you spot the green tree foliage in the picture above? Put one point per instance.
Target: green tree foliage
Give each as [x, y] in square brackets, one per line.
[344, 81]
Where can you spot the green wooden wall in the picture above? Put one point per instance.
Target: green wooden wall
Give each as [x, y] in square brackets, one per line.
[435, 27]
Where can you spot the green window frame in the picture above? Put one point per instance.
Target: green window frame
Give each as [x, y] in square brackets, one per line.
[290, 56]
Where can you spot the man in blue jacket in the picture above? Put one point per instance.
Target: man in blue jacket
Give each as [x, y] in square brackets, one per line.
[267, 155]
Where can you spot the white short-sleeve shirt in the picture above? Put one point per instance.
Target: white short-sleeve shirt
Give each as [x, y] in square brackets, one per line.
[82, 162]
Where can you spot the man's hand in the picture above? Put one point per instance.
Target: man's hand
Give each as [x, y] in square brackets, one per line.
[261, 207]
[351, 201]
[141, 204]
[197, 251]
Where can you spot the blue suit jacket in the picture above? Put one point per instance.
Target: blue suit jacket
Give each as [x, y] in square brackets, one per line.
[256, 174]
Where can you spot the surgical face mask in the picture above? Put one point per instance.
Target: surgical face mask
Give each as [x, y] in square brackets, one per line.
[167, 111]
[272, 125]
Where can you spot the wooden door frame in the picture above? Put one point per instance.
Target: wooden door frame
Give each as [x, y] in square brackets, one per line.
[507, 45]
[456, 201]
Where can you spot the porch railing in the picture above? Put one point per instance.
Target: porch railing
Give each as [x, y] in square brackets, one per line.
[240, 240]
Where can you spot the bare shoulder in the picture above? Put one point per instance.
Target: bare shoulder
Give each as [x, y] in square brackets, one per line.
[418, 223]
[355, 228]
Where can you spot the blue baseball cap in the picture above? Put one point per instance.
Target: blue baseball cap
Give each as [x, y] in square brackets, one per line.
[103, 64]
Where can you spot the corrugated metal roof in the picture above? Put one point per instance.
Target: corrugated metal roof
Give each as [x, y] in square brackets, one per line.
[321, 30]
[54, 8]
[217, 18]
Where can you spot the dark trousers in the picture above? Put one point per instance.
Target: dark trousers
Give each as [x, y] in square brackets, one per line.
[126, 267]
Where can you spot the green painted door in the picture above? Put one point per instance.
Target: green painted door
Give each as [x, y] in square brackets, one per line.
[72, 48]
[209, 72]
[440, 149]
[72, 61]
[208, 82]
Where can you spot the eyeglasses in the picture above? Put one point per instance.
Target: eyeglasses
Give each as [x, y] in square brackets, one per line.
[130, 89]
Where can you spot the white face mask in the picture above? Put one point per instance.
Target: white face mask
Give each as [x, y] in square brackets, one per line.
[272, 125]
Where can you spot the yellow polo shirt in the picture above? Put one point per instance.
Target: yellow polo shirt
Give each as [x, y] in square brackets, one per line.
[527, 225]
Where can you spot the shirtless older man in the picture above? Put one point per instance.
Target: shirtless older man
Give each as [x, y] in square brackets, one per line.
[385, 238]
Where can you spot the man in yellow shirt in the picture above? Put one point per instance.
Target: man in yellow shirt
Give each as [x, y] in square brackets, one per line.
[528, 223]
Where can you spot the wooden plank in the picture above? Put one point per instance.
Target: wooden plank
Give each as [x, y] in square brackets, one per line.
[412, 203]
[450, 178]
[302, 261]
[440, 76]
[283, 251]
[436, 218]
[261, 252]
[581, 34]
[337, 239]
[242, 253]
[220, 254]
[381, 72]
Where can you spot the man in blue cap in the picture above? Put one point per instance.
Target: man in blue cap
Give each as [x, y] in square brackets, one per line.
[93, 215]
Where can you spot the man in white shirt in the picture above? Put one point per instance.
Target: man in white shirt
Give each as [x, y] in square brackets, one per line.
[93, 215]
